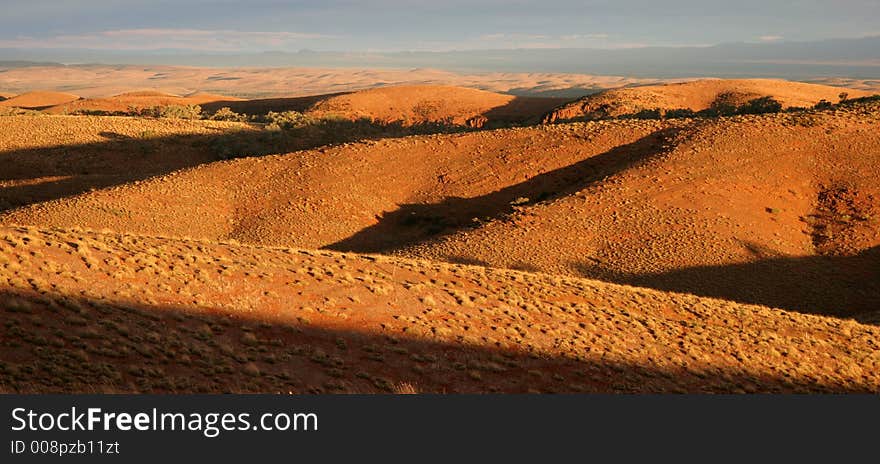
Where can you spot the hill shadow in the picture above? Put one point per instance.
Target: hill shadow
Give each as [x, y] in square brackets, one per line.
[54, 343]
[414, 223]
[845, 286]
[261, 106]
[522, 110]
[569, 94]
[35, 175]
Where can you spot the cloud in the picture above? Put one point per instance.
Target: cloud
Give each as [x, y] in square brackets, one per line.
[518, 40]
[571, 37]
[155, 39]
[770, 38]
[502, 36]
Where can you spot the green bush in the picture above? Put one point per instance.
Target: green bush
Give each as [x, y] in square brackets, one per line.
[180, 111]
[170, 111]
[760, 105]
[226, 114]
[288, 120]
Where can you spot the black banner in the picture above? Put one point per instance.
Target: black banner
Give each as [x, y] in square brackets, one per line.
[416, 428]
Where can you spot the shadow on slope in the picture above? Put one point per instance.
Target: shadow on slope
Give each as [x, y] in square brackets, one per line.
[411, 224]
[71, 344]
[830, 285]
[265, 105]
[522, 110]
[41, 174]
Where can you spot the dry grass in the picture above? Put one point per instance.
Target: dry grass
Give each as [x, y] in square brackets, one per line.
[776, 209]
[175, 325]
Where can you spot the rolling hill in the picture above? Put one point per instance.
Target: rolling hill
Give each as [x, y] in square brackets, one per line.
[326, 196]
[419, 104]
[695, 95]
[100, 313]
[712, 254]
[38, 100]
[139, 99]
[777, 209]
[47, 157]
[741, 208]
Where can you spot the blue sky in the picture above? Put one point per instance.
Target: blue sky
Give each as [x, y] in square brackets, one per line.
[389, 25]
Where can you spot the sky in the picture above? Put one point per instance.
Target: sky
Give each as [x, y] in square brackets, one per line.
[438, 25]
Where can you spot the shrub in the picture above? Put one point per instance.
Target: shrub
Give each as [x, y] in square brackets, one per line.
[288, 120]
[719, 109]
[179, 111]
[860, 100]
[226, 114]
[680, 113]
[137, 111]
[761, 105]
[88, 112]
[170, 111]
[823, 104]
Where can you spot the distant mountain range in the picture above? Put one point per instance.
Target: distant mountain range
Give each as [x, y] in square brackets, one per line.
[858, 58]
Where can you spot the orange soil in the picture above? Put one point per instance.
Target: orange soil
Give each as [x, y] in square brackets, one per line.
[38, 100]
[777, 210]
[417, 104]
[696, 95]
[139, 99]
[619, 200]
[46, 157]
[86, 312]
[345, 189]
[265, 105]
[95, 81]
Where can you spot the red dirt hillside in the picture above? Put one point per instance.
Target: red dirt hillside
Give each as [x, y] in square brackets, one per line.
[101, 313]
[778, 209]
[140, 99]
[695, 95]
[416, 104]
[740, 208]
[47, 156]
[264, 105]
[327, 196]
[38, 100]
